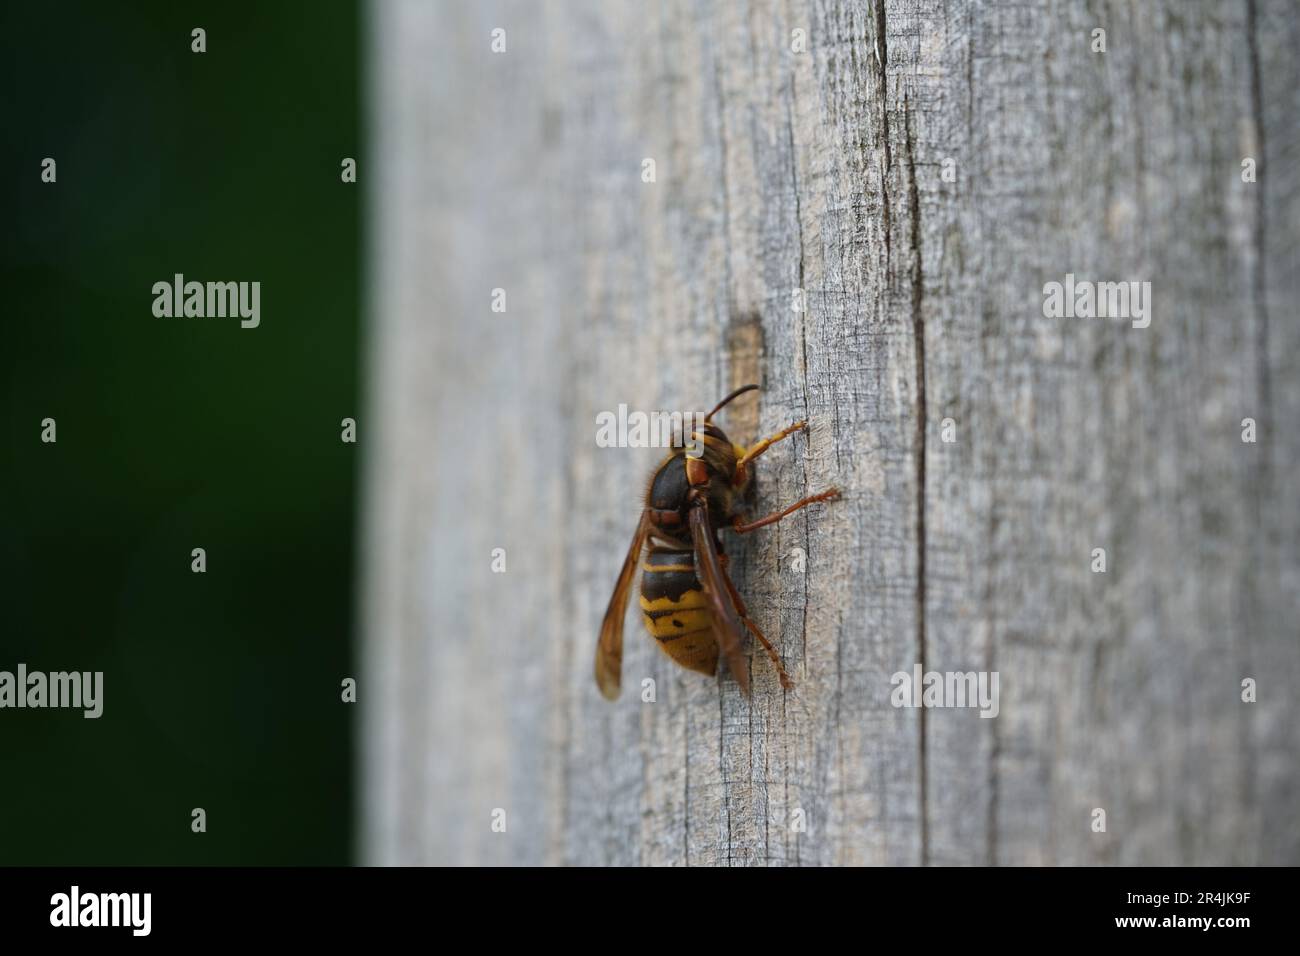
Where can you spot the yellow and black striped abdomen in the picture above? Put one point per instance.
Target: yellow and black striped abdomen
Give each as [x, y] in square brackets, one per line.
[676, 610]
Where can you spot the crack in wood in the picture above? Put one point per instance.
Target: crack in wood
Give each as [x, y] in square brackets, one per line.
[918, 335]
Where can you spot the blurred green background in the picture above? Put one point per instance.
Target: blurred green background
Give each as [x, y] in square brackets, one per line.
[221, 690]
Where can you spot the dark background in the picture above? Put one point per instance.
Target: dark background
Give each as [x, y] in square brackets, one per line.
[221, 690]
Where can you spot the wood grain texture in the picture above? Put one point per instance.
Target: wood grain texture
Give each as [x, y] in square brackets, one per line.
[822, 171]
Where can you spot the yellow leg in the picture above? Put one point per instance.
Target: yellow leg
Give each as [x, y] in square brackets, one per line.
[762, 446]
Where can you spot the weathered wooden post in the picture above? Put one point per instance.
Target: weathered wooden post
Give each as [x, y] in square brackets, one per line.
[858, 205]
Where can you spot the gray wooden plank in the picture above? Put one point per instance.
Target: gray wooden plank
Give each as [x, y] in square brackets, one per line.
[822, 170]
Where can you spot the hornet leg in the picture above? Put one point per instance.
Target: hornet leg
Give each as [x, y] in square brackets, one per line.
[767, 443]
[743, 611]
[741, 527]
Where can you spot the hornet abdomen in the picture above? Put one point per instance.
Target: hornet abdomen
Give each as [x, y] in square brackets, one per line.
[675, 609]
